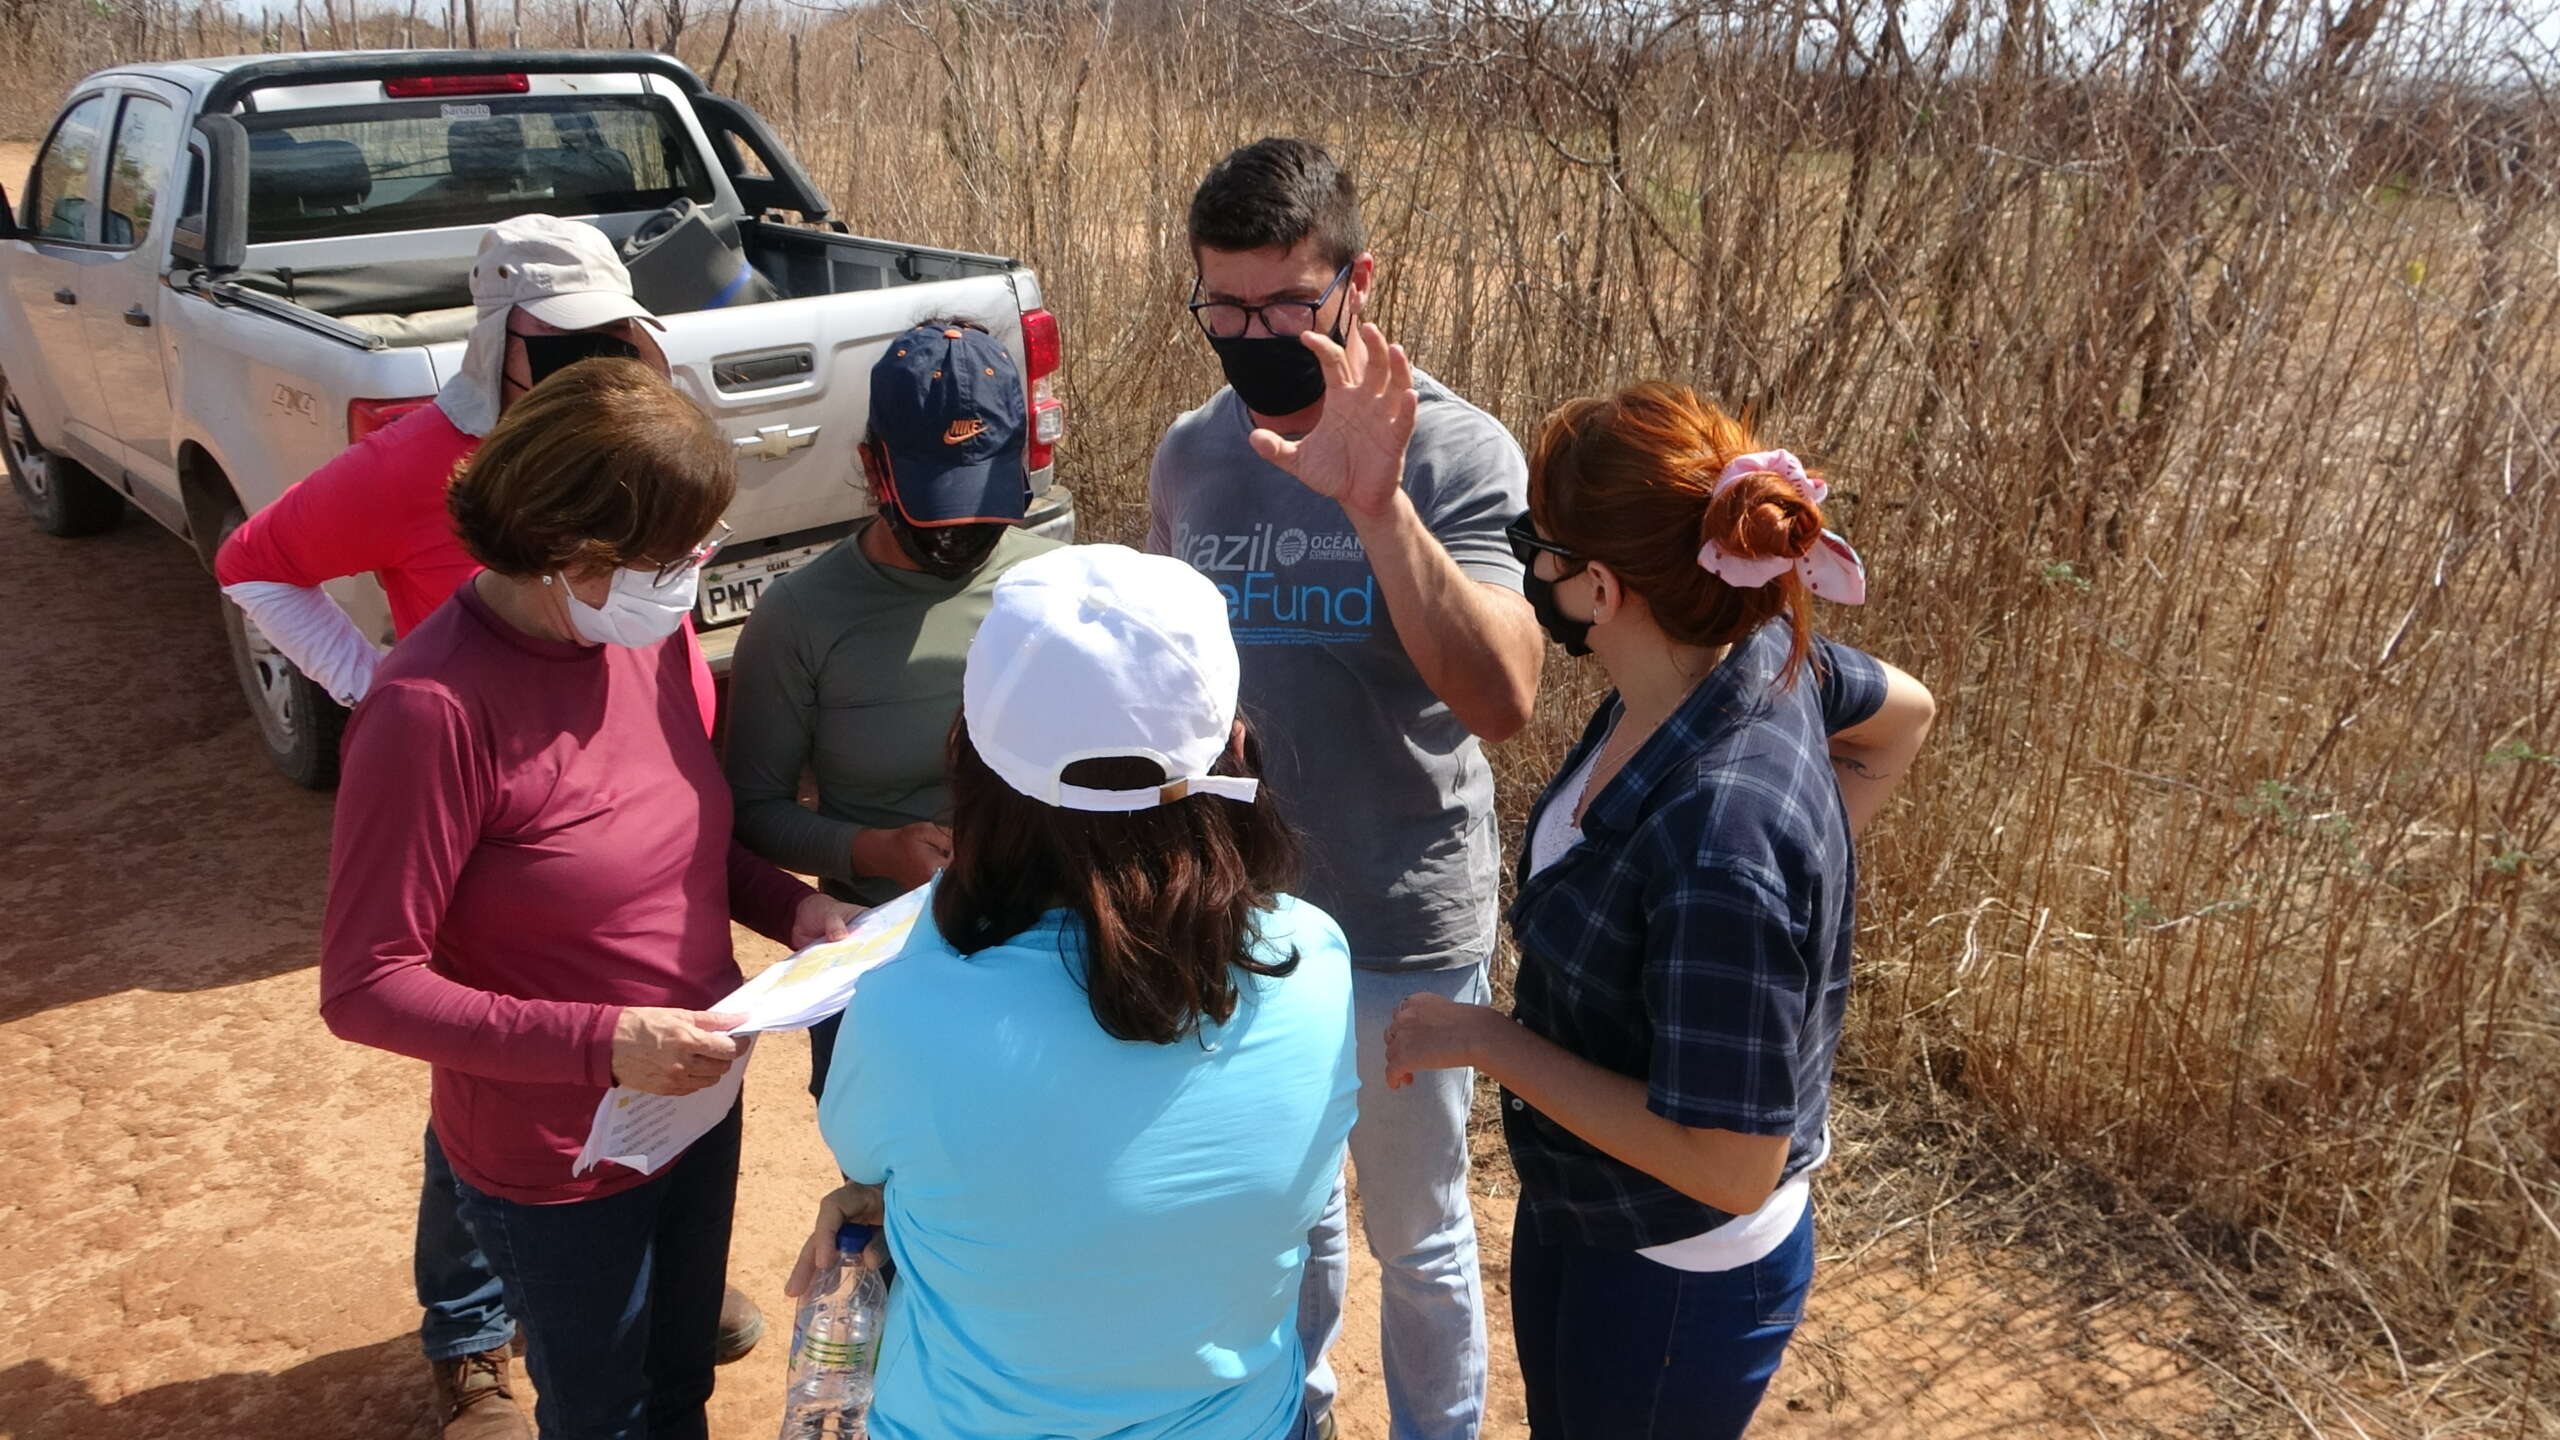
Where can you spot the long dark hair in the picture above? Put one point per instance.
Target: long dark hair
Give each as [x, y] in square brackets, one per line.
[1169, 897]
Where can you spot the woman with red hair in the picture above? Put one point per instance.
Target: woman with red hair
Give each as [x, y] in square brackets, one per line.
[1683, 915]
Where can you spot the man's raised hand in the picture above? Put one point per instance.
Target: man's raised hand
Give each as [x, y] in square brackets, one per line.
[1355, 455]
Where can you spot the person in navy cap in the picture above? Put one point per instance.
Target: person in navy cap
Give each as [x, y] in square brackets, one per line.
[944, 450]
[850, 666]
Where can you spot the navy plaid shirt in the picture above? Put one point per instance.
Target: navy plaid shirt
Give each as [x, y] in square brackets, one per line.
[1698, 936]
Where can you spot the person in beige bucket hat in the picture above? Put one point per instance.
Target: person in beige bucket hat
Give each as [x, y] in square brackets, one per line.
[549, 292]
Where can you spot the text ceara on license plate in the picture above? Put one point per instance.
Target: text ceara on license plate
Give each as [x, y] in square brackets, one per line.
[729, 592]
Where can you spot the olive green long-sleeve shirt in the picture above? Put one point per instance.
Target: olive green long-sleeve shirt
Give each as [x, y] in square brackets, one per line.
[852, 669]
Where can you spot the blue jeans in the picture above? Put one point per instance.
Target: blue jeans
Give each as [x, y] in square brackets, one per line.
[1617, 1347]
[619, 1297]
[1410, 1147]
[466, 1307]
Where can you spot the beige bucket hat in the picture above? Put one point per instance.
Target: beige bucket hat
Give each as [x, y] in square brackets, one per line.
[561, 272]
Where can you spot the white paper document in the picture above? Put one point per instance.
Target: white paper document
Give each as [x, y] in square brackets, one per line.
[797, 993]
[644, 1132]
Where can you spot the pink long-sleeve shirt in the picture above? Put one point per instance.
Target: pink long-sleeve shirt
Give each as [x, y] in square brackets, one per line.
[377, 506]
[531, 835]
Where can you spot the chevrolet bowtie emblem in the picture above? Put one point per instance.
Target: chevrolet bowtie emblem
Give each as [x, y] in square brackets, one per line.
[776, 442]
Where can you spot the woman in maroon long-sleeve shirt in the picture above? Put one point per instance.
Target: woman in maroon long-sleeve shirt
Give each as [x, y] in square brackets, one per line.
[532, 878]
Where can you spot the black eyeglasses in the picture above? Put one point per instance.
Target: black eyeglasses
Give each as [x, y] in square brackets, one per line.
[1527, 544]
[1285, 319]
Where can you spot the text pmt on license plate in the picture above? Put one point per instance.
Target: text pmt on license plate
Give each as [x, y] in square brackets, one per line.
[729, 592]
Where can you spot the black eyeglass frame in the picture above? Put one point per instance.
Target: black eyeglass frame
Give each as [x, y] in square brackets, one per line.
[1314, 309]
[1527, 544]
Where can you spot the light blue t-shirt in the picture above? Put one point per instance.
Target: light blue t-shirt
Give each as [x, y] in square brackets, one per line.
[1094, 1237]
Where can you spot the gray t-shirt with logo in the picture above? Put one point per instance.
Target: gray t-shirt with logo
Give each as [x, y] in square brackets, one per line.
[1391, 792]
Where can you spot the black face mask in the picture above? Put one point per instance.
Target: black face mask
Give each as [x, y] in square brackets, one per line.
[1272, 374]
[544, 354]
[1574, 635]
[945, 552]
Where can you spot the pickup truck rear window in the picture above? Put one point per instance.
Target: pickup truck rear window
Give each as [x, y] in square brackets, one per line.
[371, 169]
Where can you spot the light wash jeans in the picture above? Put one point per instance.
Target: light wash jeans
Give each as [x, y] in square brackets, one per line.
[1410, 1148]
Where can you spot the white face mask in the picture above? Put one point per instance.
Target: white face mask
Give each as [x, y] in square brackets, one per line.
[639, 610]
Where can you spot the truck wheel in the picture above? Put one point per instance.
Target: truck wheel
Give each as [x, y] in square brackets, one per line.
[61, 497]
[298, 723]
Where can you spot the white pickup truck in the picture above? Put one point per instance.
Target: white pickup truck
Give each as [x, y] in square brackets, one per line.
[222, 272]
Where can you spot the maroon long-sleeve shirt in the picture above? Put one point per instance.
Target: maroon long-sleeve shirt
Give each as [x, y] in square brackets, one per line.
[531, 835]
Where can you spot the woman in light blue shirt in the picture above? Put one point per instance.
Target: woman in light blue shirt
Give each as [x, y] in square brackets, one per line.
[1102, 1094]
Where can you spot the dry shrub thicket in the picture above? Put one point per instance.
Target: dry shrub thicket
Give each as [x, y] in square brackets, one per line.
[2187, 371]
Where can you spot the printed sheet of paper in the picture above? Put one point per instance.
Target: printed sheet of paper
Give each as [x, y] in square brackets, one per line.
[645, 1131]
[797, 993]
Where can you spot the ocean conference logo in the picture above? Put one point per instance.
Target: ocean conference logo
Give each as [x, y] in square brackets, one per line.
[1271, 600]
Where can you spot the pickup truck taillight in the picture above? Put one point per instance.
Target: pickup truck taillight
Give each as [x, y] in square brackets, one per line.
[366, 416]
[427, 87]
[1040, 367]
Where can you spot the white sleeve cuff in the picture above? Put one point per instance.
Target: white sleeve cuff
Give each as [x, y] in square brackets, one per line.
[309, 629]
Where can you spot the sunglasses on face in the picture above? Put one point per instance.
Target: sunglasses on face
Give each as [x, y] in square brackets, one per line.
[1527, 544]
[548, 354]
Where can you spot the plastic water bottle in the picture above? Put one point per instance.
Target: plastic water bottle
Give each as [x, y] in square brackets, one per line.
[835, 1340]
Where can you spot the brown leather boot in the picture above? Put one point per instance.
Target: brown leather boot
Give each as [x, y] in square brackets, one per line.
[475, 1401]
[741, 1326]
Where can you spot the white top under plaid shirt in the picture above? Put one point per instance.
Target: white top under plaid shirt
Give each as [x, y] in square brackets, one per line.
[1698, 937]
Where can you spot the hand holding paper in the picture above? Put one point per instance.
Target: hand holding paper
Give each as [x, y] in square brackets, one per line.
[646, 1130]
[821, 918]
[797, 993]
[672, 1052]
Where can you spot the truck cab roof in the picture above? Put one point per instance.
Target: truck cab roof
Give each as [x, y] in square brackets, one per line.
[342, 77]
[195, 74]
[207, 65]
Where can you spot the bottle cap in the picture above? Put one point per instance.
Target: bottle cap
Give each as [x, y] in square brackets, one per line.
[852, 1236]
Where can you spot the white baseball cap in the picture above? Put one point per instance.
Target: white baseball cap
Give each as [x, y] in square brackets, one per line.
[1095, 651]
[561, 272]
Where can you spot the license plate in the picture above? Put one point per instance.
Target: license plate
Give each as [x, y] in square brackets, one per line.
[729, 592]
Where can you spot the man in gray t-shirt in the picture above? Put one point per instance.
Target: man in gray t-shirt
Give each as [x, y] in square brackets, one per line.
[1382, 635]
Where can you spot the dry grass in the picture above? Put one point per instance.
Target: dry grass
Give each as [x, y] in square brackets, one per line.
[2187, 372]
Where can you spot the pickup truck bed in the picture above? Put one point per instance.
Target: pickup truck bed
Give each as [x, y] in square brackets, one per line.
[427, 299]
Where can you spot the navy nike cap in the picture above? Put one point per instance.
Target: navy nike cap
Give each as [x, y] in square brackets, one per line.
[949, 409]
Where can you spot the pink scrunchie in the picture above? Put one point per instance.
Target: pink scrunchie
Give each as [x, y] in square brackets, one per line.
[1830, 569]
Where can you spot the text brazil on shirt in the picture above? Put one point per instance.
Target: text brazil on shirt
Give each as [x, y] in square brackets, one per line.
[1393, 794]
